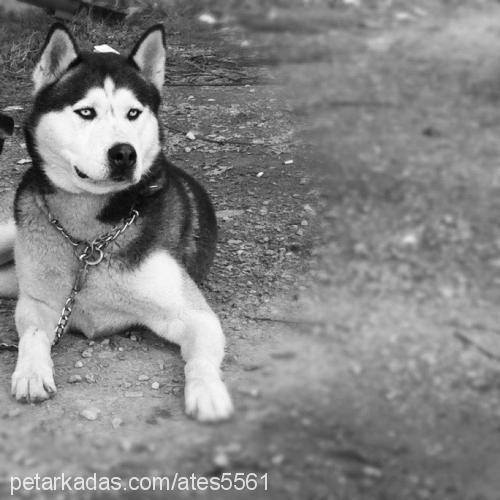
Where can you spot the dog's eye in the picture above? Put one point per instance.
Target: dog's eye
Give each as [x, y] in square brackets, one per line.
[133, 113]
[86, 113]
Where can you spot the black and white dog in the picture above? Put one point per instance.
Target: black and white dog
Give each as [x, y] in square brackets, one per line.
[94, 138]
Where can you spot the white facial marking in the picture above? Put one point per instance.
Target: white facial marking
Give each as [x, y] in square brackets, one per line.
[77, 139]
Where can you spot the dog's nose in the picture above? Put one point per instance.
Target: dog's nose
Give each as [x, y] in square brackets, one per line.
[122, 158]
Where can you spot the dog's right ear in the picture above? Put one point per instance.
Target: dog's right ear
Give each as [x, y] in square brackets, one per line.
[148, 55]
[58, 52]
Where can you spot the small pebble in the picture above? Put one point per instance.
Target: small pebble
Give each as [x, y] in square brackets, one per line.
[15, 412]
[283, 355]
[90, 378]
[116, 422]
[221, 459]
[79, 364]
[143, 378]
[133, 394]
[356, 368]
[371, 471]
[12, 108]
[310, 210]
[233, 447]
[75, 378]
[87, 353]
[155, 386]
[90, 413]
[306, 422]
[252, 392]
[250, 367]
[126, 445]
[105, 342]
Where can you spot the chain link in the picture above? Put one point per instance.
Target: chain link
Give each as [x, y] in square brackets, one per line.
[101, 242]
[7, 346]
[68, 305]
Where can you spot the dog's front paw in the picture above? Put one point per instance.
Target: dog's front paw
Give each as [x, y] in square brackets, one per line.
[208, 400]
[33, 383]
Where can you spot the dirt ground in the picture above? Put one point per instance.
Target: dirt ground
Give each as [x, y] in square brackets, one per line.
[358, 284]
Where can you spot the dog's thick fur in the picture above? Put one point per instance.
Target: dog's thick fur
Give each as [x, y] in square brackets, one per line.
[84, 105]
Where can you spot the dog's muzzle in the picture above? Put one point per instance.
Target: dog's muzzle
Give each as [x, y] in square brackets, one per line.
[122, 159]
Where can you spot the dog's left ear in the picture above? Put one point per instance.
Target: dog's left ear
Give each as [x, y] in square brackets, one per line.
[149, 55]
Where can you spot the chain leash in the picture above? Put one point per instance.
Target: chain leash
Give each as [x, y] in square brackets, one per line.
[89, 254]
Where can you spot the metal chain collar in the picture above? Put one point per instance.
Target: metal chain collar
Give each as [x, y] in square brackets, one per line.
[89, 254]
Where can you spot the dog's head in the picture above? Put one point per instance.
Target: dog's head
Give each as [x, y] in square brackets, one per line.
[94, 125]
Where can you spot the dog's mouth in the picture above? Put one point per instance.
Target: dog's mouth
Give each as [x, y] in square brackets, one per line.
[80, 173]
[117, 181]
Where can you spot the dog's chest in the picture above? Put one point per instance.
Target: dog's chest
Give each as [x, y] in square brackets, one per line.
[47, 266]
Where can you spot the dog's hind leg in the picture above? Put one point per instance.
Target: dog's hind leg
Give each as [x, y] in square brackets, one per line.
[9, 287]
[7, 239]
[8, 278]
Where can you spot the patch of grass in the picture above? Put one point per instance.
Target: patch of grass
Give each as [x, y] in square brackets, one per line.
[195, 50]
[20, 40]
[22, 37]
[20, 54]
